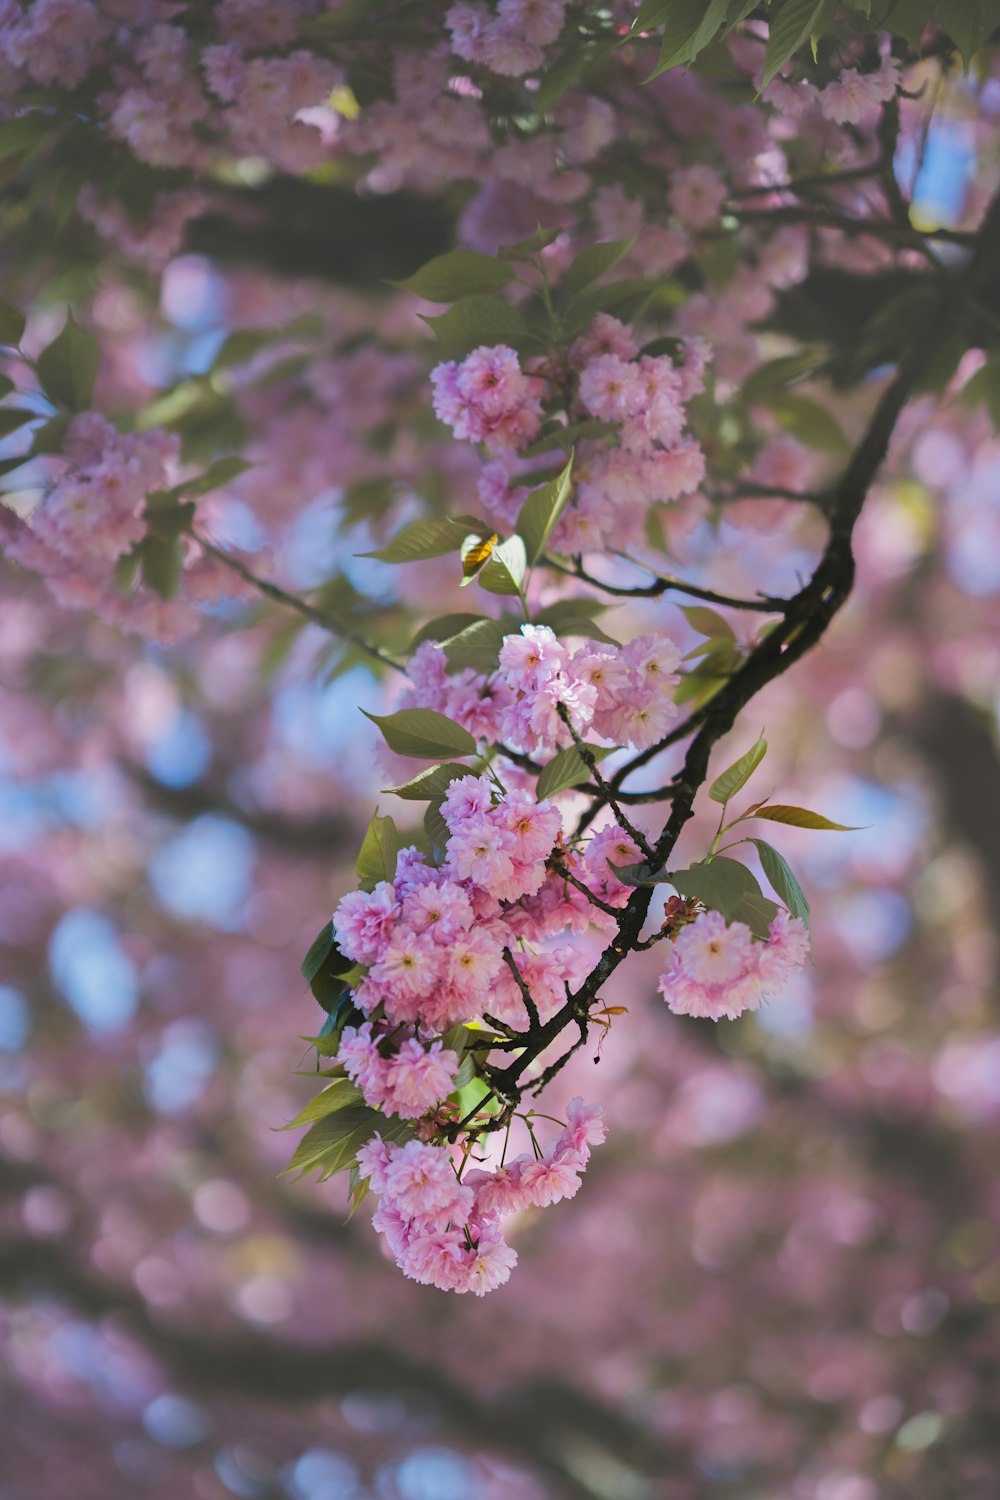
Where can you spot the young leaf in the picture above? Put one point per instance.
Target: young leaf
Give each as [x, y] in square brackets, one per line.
[508, 563]
[436, 828]
[811, 423]
[429, 784]
[320, 949]
[423, 733]
[791, 22]
[220, 472]
[161, 564]
[68, 366]
[729, 887]
[525, 249]
[596, 260]
[801, 817]
[969, 23]
[478, 320]
[739, 773]
[541, 510]
[478, 646]
[640, 874]
[689, 26]
[460, 273]
[443, 628]
[707, 622]
[421, 540]
[378, 852]
[336, 1096]
[565, 770]
[783, 881]
[332, 1143]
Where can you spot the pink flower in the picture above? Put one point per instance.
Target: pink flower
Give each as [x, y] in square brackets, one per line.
[416, 1079]
[364, 920]
[549, 1181]
[611, 389]
[488, 1265]
[482, 852]
[420, 1181]
[373, 1162]
[606, 335]
[696, 195]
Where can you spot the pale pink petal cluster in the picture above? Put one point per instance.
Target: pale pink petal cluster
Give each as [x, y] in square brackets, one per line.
[508, 41]
[717, 969]
[487, 398]
[446, 1232]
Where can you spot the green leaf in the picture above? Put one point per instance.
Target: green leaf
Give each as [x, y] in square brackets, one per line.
[430, 784]
[332, 1144]
[162, 560]
[169, 520]
[641, 874]
[791, 22]
[787, 369]
[729, 887]
[985, 386]
[436, 828]
[338, 1095]
[688, 27]
[460, 273]
[525, 249]
[909, 19]
[573, 66]
[324, 953]
[565, 770]
[594, 261]
[575, 617]
[800, 817]
[811, 423]
[220, 472]
[13, 417]
[707, 622]
[541, 510]
[969, 23]
[25, 133]
[505, 570]
[565, 436]
[49, 437]
[443, 628]
[423, 733]
[421, 540]
[651, 13]
[478, 646]
[68, 366]
[739, 773]
[378, 853]
[782, 878]
[478, 320]
[756, 911]
[11, 324]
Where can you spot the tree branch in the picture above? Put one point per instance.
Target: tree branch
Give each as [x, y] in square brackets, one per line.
[806, 618]
[309, 612]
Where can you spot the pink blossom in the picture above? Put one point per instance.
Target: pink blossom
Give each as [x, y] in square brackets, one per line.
[417, 1078]
[363, 921]
[420, 1181]
[697, 194]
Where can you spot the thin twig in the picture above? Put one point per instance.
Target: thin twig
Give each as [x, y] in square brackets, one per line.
[522, 984]
[309, 612]
[590, 761]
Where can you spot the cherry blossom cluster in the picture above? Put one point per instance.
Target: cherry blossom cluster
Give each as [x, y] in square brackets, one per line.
[717, 969]
[433, 939]
[443, 1226]
[509, 41]
[407, 1080]
[93, 515]
[488, 399]
[619, 695]
[648, 457]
